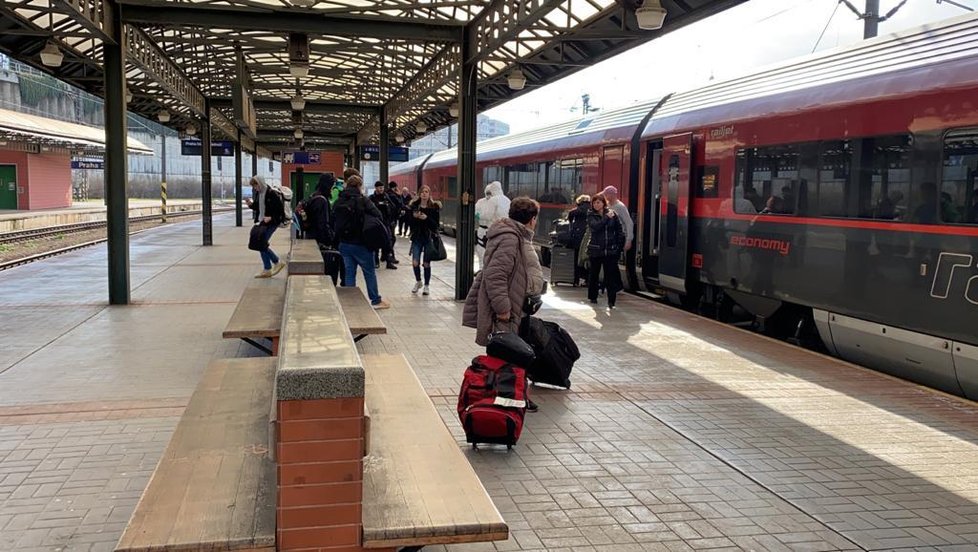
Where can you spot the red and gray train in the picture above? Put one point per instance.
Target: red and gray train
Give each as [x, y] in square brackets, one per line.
[831, 198]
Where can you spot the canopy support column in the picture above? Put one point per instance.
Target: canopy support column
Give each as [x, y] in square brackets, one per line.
[116, 169]
[238, 216]
[205, 178]
[465, 233]
[385, 144]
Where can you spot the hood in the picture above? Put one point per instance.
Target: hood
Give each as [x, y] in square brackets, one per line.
[495, 188]
[350, 192]
[262, 186]
[508, 226]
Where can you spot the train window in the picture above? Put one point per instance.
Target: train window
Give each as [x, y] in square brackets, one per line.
[959, 197]
[522, 180]
[768, 180]
[491, 174]
[564, 181]
[835, 160]
[882, 177]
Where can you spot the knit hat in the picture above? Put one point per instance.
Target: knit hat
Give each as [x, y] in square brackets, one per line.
[610, 192]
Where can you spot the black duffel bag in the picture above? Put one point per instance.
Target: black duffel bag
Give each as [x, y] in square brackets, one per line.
[555, 351]
[511, 348]
[257, 241]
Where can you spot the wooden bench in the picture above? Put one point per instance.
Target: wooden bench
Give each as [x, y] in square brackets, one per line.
[259, 314]
[418, 486]
[305, 258]
[214, 487]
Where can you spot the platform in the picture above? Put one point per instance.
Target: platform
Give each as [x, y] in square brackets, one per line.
[678, 434]
[89, 211]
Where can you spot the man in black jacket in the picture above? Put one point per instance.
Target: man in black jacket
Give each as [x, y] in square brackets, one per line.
[386, 208]
[349, 214]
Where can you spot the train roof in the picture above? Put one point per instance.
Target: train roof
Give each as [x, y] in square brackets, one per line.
[408, 166]
[611, 125]
[901, 63]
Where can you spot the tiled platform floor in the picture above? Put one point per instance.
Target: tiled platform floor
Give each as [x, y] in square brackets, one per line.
[679, 434]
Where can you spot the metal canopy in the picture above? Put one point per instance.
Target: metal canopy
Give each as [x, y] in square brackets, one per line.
[399, 56]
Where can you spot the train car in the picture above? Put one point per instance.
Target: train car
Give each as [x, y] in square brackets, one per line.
[832, 196]
[408, 174]
[552, 165]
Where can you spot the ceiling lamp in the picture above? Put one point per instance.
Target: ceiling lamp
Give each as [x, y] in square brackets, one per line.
[422, 128]
[299, 70]
[128, 95]
[399, 138]
[650, 15]
[453, 110]
[298, 134]
[298, 102]
[191, 129]
[163, 116]
[516, 79]
[51, 55]
[303, 3]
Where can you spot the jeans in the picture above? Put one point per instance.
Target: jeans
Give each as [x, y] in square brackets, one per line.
[419, 249]
[354, 255]
[268, 257]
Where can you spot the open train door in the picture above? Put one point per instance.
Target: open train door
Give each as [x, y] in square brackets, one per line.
[675, 177]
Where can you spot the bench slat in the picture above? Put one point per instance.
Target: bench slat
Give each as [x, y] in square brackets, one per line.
[418, 488]
[259, 311]
[360, 315]
[214, 487]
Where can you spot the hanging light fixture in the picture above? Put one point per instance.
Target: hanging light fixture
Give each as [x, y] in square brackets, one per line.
[298, 102]
[298, 55]
[399, 138]
[516, 79]
[303, 3]
[453, 110]
[651, 15]
[298, 134]
[163, 116]
[191, 129]
[422, 128]
[299, 70]
[128, 95]
[51, 55]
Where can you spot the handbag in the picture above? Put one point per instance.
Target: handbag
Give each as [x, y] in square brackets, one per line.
[435, 250]
[256, 240]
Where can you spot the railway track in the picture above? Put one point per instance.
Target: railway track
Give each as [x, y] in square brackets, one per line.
[19, 236]
[9, 238]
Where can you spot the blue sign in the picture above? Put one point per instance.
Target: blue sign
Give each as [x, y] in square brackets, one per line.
[301, 157]
[97, 164]
[220, 148]
[395, 154]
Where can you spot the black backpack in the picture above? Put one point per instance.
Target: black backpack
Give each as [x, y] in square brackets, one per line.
[354, 214]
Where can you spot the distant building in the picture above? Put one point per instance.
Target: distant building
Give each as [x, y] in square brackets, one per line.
[448, 137]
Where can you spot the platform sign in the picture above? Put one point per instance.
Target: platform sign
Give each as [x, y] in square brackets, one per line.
[301, 157]
[395, 154]
[219, 148]
[96, 164]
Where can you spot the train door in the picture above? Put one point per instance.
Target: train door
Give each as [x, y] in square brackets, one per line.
[8, 187]
[675, 178]
[652, 197]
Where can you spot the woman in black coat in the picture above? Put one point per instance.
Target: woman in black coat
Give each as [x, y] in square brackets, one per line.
[607, 238]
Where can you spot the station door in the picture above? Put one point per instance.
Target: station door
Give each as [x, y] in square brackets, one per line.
[8, 187]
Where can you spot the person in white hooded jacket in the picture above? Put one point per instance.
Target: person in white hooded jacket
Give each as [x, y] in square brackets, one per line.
[492, 207]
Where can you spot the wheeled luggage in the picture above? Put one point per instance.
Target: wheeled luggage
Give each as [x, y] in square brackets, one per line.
[562, 265]
[555, 351]
[492, 401]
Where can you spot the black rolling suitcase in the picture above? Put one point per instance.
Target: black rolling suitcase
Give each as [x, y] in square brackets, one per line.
[562, 265]
[555, 351]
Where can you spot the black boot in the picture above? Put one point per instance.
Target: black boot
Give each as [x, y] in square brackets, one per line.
[391, 266]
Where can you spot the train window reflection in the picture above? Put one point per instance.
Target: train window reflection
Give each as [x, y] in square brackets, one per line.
[884, 177]
[958, 197]
[835, 159]
[768, 180]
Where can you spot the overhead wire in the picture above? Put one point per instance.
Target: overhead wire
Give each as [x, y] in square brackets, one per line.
[827, 23]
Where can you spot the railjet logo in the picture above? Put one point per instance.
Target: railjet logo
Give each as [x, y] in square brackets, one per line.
[768, 244]
[721, 132]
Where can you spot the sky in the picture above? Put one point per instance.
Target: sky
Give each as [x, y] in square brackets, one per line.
[753, 34]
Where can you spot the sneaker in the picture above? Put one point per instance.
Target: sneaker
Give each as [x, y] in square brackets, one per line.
[531, 406]
[278, 267]
[425, 292]
[264, 274]
[381, 305]
[417, 286]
